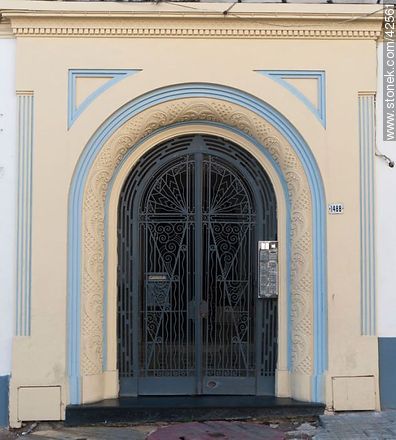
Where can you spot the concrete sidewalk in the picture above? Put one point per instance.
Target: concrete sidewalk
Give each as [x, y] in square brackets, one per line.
[358, 426]
[345, 426]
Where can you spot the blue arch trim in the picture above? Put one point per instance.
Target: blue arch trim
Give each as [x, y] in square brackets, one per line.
[262, 109]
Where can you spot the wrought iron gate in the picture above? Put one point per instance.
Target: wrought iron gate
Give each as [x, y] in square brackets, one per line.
[189, 321]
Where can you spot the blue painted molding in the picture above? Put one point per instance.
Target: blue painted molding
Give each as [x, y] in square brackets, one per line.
[281, 76]
[113, 75]
[262, 109]
[4, 400]
[367, 220]
[25, 102]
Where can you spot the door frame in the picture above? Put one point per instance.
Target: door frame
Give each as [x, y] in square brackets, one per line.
[274, 180]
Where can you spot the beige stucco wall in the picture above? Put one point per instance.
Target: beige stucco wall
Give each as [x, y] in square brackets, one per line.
[43, 62]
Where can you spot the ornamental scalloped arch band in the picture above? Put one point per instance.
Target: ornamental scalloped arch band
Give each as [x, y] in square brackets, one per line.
[94, 199]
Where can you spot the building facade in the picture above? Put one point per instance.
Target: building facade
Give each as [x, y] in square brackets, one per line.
[191, 194]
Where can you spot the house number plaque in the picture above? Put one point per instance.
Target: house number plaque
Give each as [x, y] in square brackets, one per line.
[268, 269]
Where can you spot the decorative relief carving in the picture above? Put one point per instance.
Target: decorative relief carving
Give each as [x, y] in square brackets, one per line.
[201, 32]
[115, 149]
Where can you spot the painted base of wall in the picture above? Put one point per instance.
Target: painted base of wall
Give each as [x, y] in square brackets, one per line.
[4, 386]
[387, 372]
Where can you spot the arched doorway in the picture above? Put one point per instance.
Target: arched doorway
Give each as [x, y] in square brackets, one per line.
[94, 195]
[189, 319]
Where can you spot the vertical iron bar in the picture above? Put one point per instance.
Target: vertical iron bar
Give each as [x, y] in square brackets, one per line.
[128, 339]
[198, 268]
[258, 327]
[143, 315]
[135, 294]
[209, 348]
[187, 275]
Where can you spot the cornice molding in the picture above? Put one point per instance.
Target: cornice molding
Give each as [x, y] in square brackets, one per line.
[6, 30]
[198, 31]
[199, 23]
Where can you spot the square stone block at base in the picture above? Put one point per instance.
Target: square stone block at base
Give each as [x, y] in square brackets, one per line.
[39, 403]
[354, 393]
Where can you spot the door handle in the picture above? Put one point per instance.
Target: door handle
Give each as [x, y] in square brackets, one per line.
[203, 309]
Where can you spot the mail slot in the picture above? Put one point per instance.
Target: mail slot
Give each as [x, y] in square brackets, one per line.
[157, 276]
[268, 269]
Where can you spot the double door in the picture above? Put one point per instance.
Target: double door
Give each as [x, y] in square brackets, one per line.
[198, 325]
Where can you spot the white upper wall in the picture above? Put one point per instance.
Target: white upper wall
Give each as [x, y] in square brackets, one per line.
[8, 159]
[385, 222]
